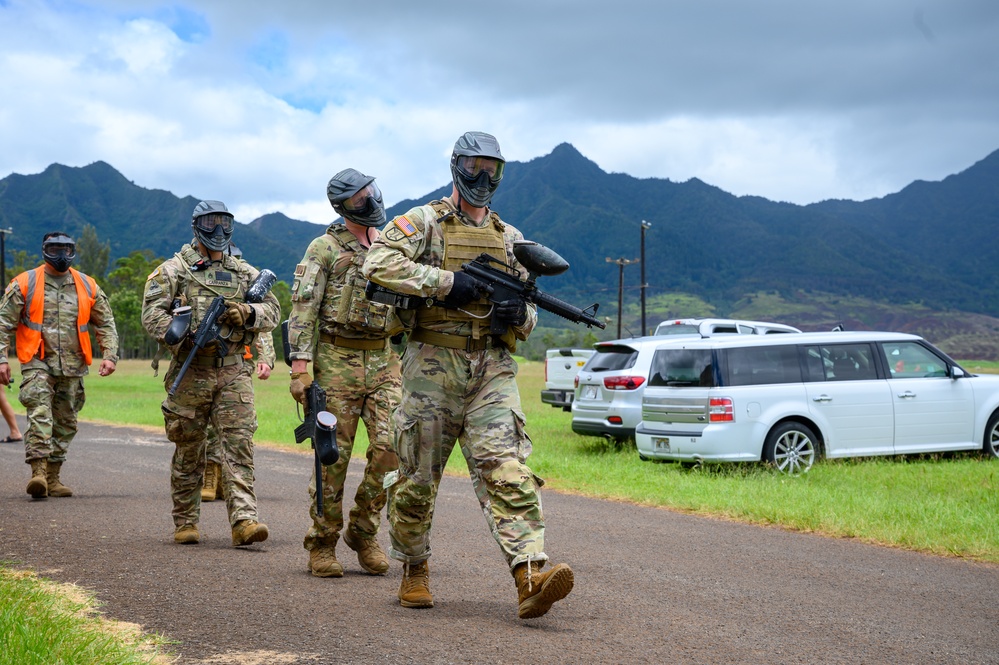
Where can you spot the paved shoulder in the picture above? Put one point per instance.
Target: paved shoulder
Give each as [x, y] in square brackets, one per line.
[652, 586]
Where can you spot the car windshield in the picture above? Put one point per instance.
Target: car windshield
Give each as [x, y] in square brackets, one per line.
[609, 358]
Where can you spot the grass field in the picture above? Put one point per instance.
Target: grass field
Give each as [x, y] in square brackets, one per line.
[943, 504]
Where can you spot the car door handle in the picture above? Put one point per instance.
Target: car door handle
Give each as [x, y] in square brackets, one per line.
[822, 398]
[908, 394]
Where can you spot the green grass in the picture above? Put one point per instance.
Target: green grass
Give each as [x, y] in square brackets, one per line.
[42, 623]
[942, 504]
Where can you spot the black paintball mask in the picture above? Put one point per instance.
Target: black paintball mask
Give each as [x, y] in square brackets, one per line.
[58, 250]
[213, 225]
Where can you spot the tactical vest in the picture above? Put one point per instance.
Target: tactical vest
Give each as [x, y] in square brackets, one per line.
[29, 328]
[462, 244]
[345, 309]
[229, 279]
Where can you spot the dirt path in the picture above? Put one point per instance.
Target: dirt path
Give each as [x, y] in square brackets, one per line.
[652, 586]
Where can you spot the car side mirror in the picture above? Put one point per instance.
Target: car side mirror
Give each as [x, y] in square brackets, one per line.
[956, 372]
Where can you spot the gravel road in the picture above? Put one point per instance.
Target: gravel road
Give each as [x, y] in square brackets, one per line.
[652, 586]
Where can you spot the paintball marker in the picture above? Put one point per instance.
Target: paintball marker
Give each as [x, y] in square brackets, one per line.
[209, 329]
[319, 425]
[503, 284]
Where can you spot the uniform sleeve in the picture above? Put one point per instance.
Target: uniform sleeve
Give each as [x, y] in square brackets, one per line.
[105, 331]
[157, 300]
[397, 259]
[265, 350]
[307, 296]
[11, 306]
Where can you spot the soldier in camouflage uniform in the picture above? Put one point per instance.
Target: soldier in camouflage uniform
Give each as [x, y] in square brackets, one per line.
[459, 382]
[354, 363]
[218, 384]
[52, 308]
[212, 486]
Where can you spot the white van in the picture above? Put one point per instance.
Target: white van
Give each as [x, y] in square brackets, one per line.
[790, 399]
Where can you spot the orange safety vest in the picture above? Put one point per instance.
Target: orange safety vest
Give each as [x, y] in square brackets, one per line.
[29, 328]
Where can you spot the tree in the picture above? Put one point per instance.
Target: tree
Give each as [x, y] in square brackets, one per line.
[125, 286]
[91, 256]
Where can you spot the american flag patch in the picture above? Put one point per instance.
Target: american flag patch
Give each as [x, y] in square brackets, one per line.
[404, 225]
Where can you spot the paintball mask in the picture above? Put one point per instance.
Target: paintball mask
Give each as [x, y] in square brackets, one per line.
[356, 197]
[58, 250]
[477, 167]
[213, 225]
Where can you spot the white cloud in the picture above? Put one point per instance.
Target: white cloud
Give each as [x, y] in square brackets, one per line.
[259, 105]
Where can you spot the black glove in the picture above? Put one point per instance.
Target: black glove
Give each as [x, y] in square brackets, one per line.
[465, 289]
[512, 312]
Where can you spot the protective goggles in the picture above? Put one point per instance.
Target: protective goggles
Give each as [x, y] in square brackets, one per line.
[470, 167]
[359, 201]
[207, 223]
[54, 250]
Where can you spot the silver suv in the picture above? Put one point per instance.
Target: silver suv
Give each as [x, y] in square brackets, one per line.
[608, 396]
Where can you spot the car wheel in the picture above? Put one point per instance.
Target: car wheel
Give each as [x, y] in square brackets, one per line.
[644, 458]
[991, 447]
[791, 448]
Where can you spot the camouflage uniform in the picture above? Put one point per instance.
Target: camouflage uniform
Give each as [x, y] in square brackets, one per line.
[356, 365]
[215, 388]
[468, 394]
[265, 354]
[52, 387]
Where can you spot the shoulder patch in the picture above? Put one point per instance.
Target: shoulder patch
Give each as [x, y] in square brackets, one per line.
[154, 274]
[403, 224]
[299, 270]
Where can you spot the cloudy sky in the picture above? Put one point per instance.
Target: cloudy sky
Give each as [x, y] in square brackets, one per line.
[259, 103]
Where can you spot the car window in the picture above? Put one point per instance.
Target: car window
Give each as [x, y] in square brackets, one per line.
[761, 365]
[677, 329]
[841, 362]
[610, 358]
[909, 360]
[682, 367]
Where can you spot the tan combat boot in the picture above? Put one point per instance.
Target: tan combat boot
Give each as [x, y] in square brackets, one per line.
[537, 591]
[186, 534]
[38, 486]
[210, 486]
[415, 588]
[369, 553]
[247, 532]
[323, 562]
[56, 488]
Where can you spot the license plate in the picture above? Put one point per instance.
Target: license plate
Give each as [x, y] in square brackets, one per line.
[661, 444]
[589, 392]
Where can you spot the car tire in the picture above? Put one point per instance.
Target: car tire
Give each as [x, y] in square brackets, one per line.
[644, 458]
[990, 446]
[791, 448]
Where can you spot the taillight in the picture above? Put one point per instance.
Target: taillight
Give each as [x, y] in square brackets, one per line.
[623, 382]
[615, 420]
[721, 410]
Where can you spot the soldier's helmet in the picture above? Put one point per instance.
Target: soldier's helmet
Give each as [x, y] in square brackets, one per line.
[356, 197]
[477, 167]
[58, 250]
[213, 225]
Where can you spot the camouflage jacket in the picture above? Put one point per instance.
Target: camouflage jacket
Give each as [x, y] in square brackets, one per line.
[187, 273]
[60, 341]
[328, 294]
[407, 258]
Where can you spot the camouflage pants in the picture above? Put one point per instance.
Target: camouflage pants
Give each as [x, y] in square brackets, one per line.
[360, 386]
[213, 448]
[223, 396]
[472, 397]
[52, 403]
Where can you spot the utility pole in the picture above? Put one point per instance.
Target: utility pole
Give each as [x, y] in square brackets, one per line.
[3, 256]
[645, 225]
[621, 263]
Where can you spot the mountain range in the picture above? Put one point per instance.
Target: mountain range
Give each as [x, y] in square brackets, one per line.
[921, 259]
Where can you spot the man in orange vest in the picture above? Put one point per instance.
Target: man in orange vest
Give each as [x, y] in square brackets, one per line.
[52, 309]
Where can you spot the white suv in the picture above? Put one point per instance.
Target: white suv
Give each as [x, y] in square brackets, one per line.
[608, 396]
[788, 400]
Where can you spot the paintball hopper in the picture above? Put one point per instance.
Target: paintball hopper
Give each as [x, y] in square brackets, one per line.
[179, 325]
[260, 286]
[325, 441]
[539, 260]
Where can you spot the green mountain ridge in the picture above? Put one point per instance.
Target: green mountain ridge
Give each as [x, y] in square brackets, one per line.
[918, 257]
